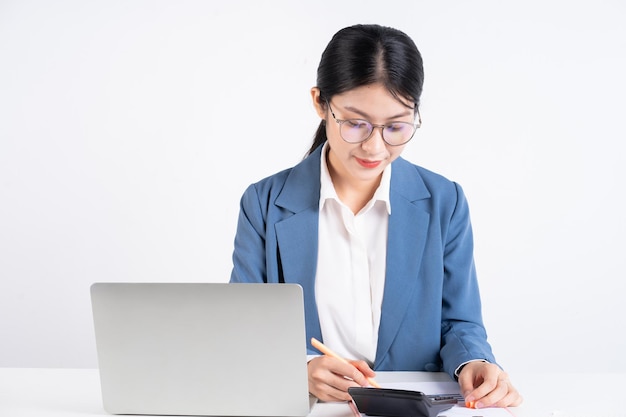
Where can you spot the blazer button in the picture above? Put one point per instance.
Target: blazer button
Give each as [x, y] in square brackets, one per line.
[431, 367]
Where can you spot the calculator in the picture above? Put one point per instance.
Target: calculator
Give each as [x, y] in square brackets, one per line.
[400, 403]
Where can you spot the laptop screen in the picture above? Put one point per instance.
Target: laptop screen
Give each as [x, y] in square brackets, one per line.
[201, 348]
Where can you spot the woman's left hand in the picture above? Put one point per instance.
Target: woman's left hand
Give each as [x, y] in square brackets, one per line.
[484, 384]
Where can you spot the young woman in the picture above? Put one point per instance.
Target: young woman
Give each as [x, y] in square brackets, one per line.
[382, 248]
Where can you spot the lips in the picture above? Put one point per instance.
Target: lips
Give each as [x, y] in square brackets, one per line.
[368, 164]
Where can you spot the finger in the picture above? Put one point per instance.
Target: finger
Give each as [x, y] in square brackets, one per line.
[328, 393]
[353, 371]
[481, 391]
[495, 397]
[329, 378]
[337, 367]
[486, 384]
[332, 389]
[364, 368]
[517, 402]
[476, 373]
[466, 383]
[511, 399]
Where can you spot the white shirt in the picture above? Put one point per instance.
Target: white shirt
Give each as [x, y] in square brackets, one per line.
[351, 262]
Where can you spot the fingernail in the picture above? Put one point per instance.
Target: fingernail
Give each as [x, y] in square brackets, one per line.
[478, 404]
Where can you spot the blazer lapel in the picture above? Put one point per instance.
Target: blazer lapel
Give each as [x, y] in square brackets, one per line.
[408, 227]
[297, 234]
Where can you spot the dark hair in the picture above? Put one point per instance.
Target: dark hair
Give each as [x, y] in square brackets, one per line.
[366, 54]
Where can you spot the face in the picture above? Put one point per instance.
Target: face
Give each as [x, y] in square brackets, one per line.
[361, 164]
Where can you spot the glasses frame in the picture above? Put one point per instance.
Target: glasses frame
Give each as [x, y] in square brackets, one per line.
[340, 122]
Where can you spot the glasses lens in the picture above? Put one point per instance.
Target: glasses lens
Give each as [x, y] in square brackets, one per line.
[355, 130]
[398, 133]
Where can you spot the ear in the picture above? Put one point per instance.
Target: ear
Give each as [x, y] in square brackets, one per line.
[318, 103]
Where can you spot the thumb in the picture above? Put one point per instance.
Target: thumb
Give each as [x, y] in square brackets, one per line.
[466, 383]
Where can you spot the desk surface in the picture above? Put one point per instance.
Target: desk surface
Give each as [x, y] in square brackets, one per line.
[76, 392]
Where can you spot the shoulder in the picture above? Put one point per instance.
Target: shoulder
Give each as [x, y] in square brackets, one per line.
[440, 197]
[293, 188]
[420, 183]
[273, 182]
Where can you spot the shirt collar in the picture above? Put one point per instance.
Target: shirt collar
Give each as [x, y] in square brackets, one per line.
[327, 189]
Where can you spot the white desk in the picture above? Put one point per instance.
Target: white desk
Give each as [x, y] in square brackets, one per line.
[76, 392]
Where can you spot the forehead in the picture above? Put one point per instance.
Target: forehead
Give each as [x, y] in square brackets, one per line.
[373, 100]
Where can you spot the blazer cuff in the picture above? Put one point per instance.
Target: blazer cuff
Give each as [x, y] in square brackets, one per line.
[311, 357]
[457, 371]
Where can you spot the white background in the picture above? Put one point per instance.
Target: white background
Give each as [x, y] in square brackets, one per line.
[129, 130]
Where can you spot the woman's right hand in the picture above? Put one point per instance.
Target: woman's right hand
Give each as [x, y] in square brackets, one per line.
[330, 378]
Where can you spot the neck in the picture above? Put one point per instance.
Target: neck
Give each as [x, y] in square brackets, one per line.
[354, 193]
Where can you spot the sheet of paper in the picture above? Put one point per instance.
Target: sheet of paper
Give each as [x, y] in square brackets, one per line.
[450, 387]
[460, 411]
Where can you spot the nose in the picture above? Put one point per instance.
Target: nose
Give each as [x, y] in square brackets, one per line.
[375, 143]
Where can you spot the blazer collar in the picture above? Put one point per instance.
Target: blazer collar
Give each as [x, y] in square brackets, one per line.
[302, 187]
[406, 182]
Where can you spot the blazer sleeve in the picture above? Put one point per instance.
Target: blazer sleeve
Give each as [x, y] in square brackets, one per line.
[463, 334]
[249, 253]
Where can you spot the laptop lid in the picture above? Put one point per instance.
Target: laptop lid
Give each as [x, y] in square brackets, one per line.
[201, 348]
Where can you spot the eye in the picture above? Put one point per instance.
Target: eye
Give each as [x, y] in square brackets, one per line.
[398, 127]
[357, 124]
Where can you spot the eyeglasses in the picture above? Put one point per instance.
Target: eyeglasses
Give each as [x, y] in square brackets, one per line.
[359, 130]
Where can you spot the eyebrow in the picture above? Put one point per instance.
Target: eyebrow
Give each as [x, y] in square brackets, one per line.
[367, 116]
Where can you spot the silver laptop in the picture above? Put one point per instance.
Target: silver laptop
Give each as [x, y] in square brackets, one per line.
[201, 349]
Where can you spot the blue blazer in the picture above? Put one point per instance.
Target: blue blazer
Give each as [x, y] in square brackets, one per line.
[431, 312]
